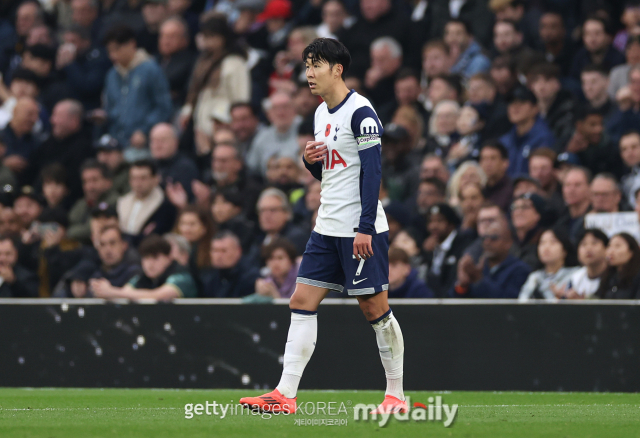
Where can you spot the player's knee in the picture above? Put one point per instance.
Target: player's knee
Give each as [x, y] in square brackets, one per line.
[370, 309]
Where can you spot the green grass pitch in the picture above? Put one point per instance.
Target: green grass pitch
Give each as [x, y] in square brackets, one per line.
[141, 413]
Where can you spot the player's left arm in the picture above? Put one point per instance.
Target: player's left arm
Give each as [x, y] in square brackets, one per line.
[367, 131]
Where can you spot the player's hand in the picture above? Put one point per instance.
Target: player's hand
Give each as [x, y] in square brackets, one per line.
[362, 248]
[315, 151]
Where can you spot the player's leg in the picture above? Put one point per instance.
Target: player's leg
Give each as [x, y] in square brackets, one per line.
[303, 333]
[368, 280]
[320, 271]
[389, 339]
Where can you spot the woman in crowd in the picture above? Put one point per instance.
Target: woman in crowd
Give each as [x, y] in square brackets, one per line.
[468, 126]
[280, 256]
[220, 76]
[556, 255]
[442, 128]
[196, 225]
[584, 283]
[471, 199]
[621, 280]
[469, 172]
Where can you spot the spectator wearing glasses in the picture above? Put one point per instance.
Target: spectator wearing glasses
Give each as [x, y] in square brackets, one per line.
[498, 275]
[605, 194]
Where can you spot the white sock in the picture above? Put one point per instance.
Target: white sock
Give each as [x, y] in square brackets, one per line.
[391, 347]
[301, 341]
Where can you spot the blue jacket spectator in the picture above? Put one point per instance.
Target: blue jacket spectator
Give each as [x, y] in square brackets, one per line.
[471, 60]
[529, 132]
[501, 276]
[136, 95]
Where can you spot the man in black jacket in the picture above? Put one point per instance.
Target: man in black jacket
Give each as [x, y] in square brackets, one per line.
[15, 280]
[231, 275]
[175, 57]
[450, 245]
[69, 145]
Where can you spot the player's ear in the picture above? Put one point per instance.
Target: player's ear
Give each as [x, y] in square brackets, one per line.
[338, 70]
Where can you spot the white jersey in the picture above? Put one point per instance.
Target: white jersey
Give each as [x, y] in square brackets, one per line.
[350, 127]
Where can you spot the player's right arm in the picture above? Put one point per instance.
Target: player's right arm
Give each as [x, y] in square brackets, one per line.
[314, 153]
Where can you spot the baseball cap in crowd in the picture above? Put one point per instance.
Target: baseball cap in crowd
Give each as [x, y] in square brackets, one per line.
[29, 192]
[104, 210]
[521, 94]
[251, 5]
[276, 9]
[7, 195]
[448, 212]
[567, 158]
[395, 132]
[107, 143]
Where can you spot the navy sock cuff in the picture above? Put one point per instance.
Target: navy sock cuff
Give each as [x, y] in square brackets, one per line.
[387, 313]
[304, 312]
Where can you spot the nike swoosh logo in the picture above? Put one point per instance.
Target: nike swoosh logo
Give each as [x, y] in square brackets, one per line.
[359, 281]
[316, 133]
[289, 341]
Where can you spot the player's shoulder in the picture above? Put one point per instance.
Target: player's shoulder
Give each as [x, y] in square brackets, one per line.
[322, 109]
[364, 118]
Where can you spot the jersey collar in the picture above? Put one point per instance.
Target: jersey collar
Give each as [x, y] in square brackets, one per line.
[338, 106]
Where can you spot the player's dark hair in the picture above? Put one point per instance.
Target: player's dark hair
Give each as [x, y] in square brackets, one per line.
[152, 166]
[330, 51]
[498, 146]
[154, 245]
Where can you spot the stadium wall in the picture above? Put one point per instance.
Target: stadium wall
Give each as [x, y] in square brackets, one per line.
[493, 345]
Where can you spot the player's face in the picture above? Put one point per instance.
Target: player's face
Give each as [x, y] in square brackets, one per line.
[320, 76]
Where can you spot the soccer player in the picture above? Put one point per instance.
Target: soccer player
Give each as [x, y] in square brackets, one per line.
[350, 243]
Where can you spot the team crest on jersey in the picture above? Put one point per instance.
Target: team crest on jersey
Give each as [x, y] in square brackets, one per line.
[335, 137]
[369, 132]
[327, 130]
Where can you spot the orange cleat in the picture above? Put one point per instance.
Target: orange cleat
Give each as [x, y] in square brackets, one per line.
[272, 401]
[391, 405]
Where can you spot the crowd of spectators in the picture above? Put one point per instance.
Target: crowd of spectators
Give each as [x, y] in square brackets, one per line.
[153, 148]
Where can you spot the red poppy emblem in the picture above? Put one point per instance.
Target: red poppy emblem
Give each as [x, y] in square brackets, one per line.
[327, 131]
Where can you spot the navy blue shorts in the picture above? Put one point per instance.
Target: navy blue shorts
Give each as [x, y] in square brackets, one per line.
[329, 262]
